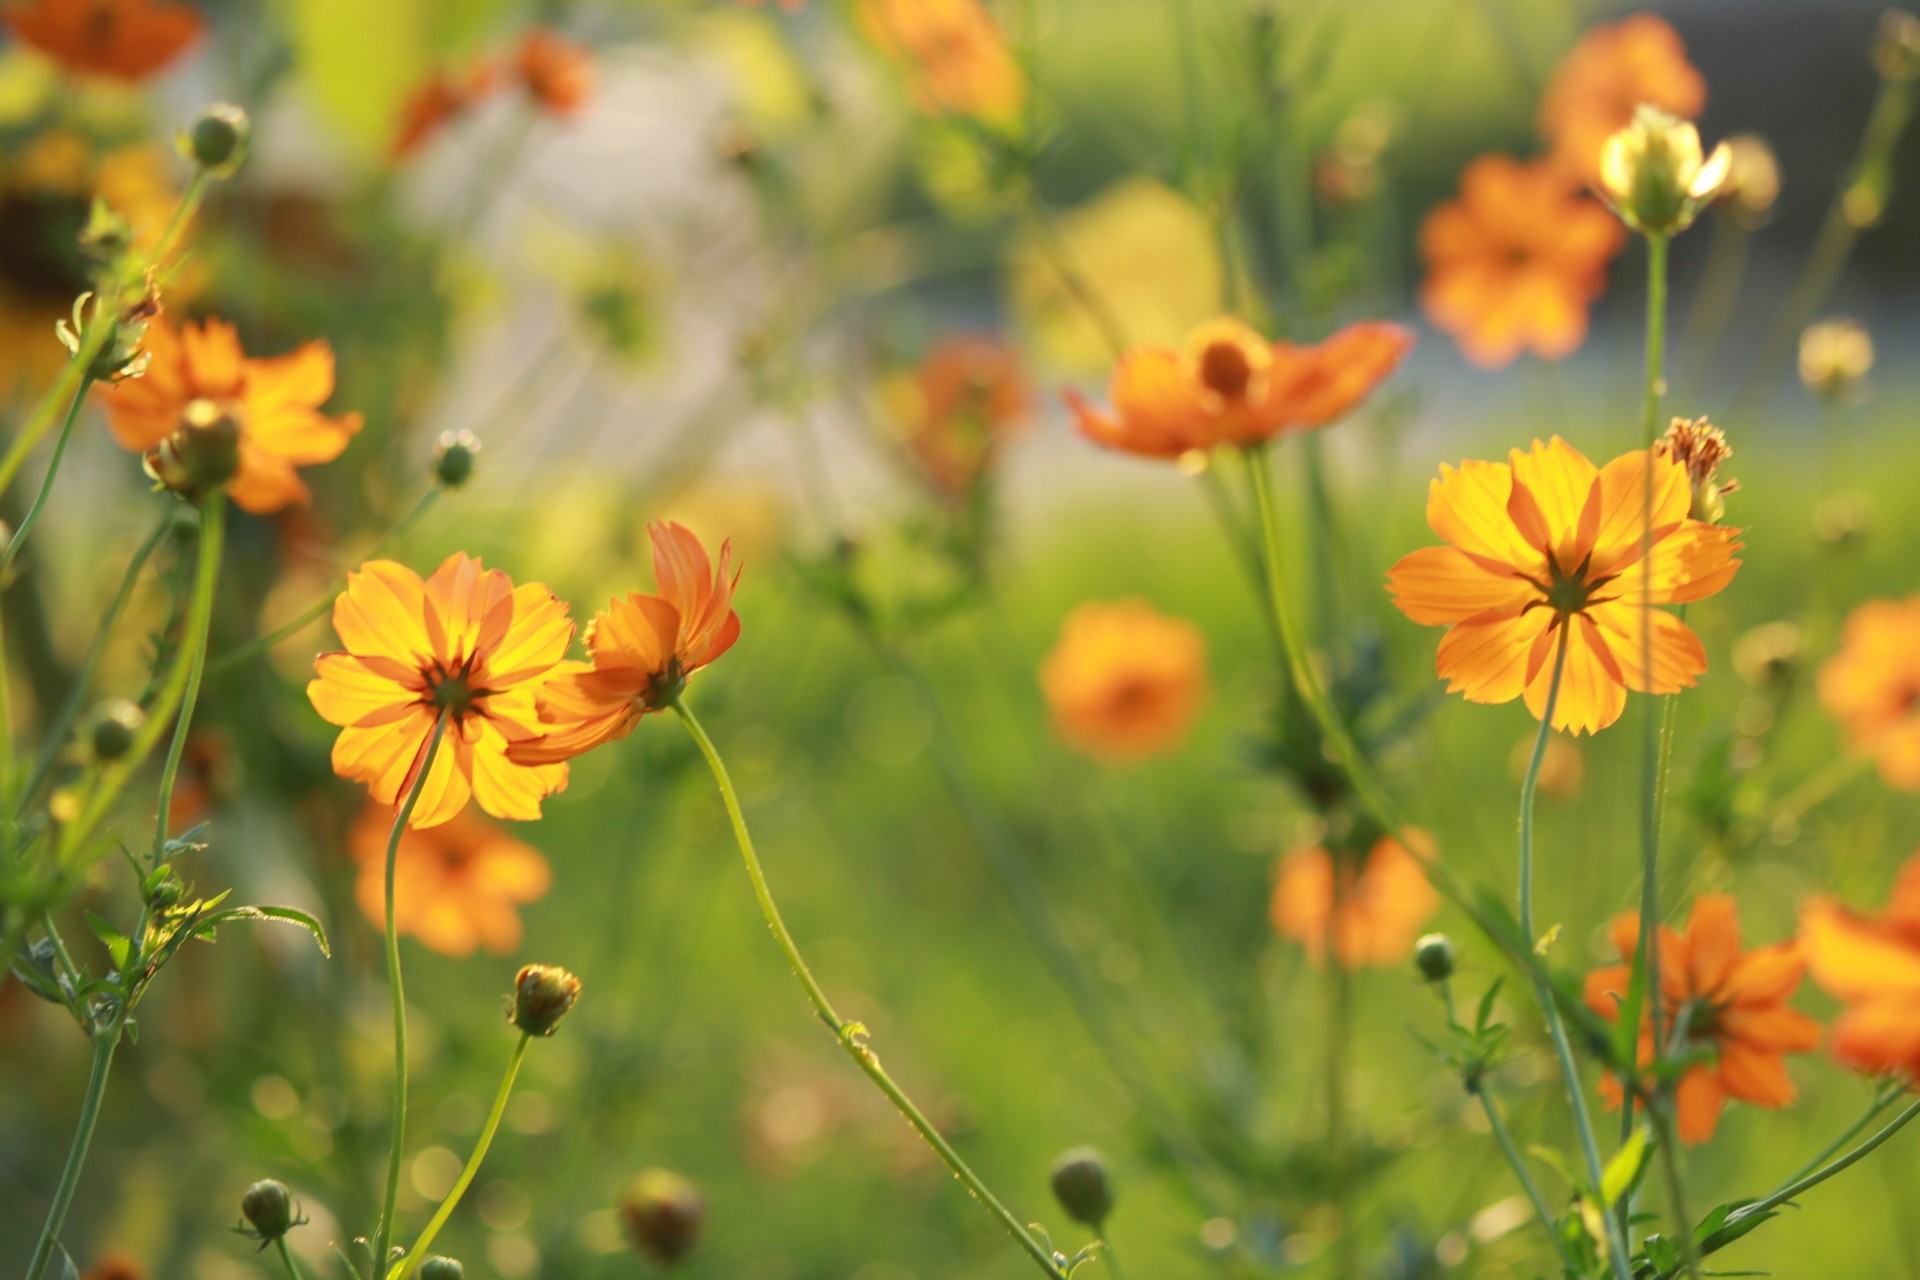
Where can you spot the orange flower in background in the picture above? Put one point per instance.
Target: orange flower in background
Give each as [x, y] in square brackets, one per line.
[1604, 79]
[121, 39]
[1872, 686]
[114, 1267]
[456, 886]
[275, 402]
[1515, 262]
[1872, 963]
[1376, 914]
[467, 644]
[1545, 550]
[959, 408]
[643, 649]
[444, 97]
[1726, 998]
[953, 54]
[556, 72]
[1124, 681]
[1229, 385]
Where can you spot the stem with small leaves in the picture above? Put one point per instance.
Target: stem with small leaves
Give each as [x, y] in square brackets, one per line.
[105, 1040]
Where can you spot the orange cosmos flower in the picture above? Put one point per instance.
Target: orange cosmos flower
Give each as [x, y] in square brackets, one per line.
[444, 97]
[1379, 910]
[959, 408]
[1726, 999]
[556, 72]
[1515, 262]
[1546, 550]
[456, 886]
[121, 39]
[1229, 385]
[275, 402]
[1872, 686]
[467, 644]
[1872, 963]
[644, 649]
[954, 54]
[114, 1267]
[1607, 76]
[1124, 681]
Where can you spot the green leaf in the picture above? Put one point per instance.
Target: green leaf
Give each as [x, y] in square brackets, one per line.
[1624, 1171]
[118, 945]
[205, 927]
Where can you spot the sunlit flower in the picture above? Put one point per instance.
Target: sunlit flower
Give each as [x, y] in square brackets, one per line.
[1545, 550]
[1604, 79]
[643, 648]
[1371, 914]
[1835, 358]
[556, 72]
[958, 408]
[1722, 998]
[466, 644]
[1229, 385]
[1515, 262]
[1872, 963]
[1653, 173]
[1124, 681]
[953, 54]
[442, 98]
[200, 370]
[456, 886]
[1872, 687]
[120, 39]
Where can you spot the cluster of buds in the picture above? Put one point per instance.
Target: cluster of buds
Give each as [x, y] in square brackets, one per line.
[1653, 174]
[663, 1213]
[1701, 447]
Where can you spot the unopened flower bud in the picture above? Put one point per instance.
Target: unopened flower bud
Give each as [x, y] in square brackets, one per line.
[268, 1209]
[542, 994]
[1434, 957]
[1835, 358]
[453, 458]
[1753, 180]
[163, 887]
[1896, 48]
[1081, 1185]
[441, 1268]
[115, 721]
[218, 141]
[202, 455]
[1653, 174]
[663, 1213]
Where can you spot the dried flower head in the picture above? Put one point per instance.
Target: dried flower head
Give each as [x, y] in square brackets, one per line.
[1701, 447]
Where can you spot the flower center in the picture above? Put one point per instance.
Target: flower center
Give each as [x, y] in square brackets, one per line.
[1226, 370]
[451, 689]
[1567, 593]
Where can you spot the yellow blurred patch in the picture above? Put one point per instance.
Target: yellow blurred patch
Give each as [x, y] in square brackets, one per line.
[768, 85]
[26, 80]
[358, 60]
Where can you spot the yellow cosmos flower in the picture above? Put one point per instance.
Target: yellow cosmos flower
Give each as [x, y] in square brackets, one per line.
[466, 644]
[1546, 550]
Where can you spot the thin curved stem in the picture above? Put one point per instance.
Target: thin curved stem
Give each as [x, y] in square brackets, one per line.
[213, 516]
[396, 988]
[105, 1041]
[32, 517]
[286, 1258]
[1802, 1185]
[1527, 1184]
[851, 1035]
[419, 1251]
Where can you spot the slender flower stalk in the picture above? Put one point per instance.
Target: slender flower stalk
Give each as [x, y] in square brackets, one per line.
[419, 1251]
[396, 987]
[213, 509]
[105, 1041]
[852, 1035]
[1676, 1188]
[1527, 1184]
[1800, 1186]
[1346, 1259]
[19, 539]
[286, 1258]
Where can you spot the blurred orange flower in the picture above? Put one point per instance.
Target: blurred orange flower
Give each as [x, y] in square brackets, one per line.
[1229, 385]
[465, 643]
[114, 1267]
[1731, 1000]
[274, 401]
[1872, 963]
[1604, 79]
[644, 649]
[1872, 686]
[953, 53]
[1124, 681]
[1515, 262]
[556, 72]
[122, 39]
[456, 886]
[959, 408]
[1377, 912]
[444, 97]
[1549, 546]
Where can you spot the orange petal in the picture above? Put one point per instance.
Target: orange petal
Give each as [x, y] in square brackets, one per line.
[1699, 1098]
[1440, 585]
[1487, 661]
[1755, 1075]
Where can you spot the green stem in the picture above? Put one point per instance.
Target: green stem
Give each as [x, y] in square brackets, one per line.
[1882, 1099]
[1719, 292]
[447, 1206]
[1527, 1183]
[32, 517]
[213, 518]
[1346, 1259]
[851, 1035]
[286, 1257]
[1676, 1190]
[105, 1041]
[396, 988]
[260, 644]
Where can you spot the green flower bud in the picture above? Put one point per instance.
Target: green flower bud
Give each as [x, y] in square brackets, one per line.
[1081, 1185]
[268, 1209]
[1434, 956]
[663, 1213]
[542, 994]
[202, 455]
[453, 457]
[439, 1268]
[115, 722]
[218, 141]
